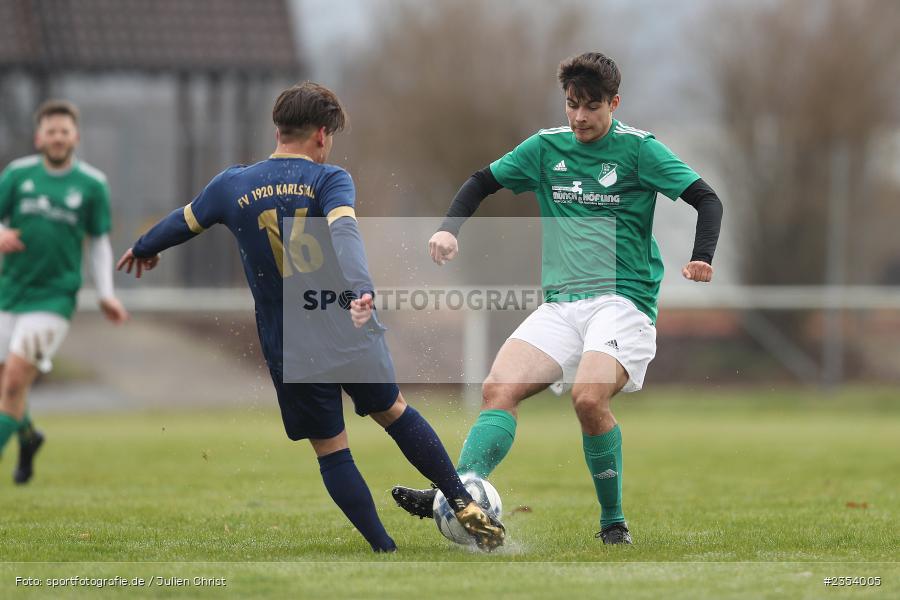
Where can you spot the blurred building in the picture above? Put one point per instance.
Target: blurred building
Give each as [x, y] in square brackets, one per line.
[170, 91]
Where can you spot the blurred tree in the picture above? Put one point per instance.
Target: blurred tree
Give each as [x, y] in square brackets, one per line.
[798, 81]
[446, 88]
[810, 107]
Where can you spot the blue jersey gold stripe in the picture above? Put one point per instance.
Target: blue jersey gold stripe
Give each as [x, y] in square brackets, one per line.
[341, 211]
[192, 222]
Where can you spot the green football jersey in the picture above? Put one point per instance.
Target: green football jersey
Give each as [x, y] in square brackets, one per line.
[53, 212]
[597, 202]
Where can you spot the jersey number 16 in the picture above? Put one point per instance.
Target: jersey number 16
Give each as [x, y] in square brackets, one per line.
[304, 250]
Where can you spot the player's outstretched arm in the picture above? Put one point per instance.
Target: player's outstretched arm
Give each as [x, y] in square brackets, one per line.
[351, 256]
[101, 255]
[114, 310]
[176, 228]
[131, 262]
[709, 222]
[697, 270]
[361, 310]
[443, 245]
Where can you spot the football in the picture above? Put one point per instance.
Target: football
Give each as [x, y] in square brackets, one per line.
[482, 492]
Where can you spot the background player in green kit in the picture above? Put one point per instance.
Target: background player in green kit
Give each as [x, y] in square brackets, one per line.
[596, 181]
[49, 202]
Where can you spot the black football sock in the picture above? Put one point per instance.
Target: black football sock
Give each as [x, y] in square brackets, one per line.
[26, 429]
[423, 449]
[349, 491]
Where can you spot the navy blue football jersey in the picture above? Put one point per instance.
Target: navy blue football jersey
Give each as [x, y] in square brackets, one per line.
[280, 210]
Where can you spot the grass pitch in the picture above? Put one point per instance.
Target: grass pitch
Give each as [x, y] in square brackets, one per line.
[728, 494]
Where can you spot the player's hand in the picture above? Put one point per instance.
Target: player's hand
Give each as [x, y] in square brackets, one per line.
[10, 242]
[130, 261]
[443, 247]
[113, 310]
[697, 270]
[361, 310]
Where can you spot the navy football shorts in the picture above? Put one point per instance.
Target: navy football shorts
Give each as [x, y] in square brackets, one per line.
[314, 409]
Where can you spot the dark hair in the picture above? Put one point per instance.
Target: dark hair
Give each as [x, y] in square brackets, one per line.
[591, 76]
[305, 107]
[55, 107]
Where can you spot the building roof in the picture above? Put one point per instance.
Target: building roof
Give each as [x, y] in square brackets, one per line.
[148, 35]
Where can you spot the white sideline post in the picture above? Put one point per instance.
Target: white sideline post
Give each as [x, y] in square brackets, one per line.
[838, 194]
[475, 356]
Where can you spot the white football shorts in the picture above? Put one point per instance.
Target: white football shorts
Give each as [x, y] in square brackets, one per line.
[35, 336]
[609, 324]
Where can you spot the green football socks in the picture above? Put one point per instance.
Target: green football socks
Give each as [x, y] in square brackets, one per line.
[8, 427]
[488, 442]
[603, 454]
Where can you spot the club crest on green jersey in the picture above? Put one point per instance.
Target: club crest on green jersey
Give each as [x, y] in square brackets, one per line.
[607, 176]
[73, 199]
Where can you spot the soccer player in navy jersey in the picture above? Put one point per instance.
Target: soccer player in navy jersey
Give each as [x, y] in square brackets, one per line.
[283, 200]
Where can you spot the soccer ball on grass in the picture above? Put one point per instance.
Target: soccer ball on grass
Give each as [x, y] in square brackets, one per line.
[482, 492]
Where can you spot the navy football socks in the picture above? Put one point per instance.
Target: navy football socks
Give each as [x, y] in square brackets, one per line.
[349, 491]
[424, 450]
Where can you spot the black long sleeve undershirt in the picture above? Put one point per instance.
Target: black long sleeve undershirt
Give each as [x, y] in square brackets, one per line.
[709, 219]
[476, 188]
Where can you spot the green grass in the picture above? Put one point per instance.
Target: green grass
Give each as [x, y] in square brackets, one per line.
[728, 494]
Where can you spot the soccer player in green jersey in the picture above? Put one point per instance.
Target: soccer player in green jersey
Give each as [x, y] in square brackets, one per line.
[49, 202]
[596, 181]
